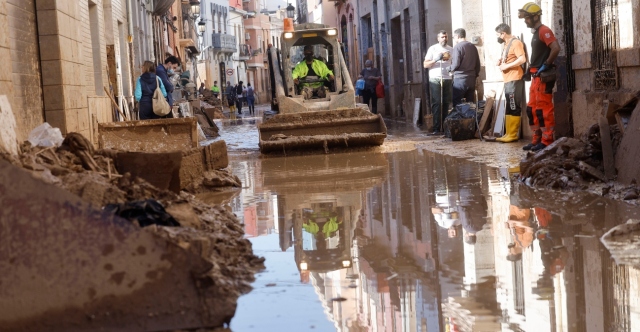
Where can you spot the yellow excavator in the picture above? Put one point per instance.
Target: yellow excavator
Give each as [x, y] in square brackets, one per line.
[333, 120]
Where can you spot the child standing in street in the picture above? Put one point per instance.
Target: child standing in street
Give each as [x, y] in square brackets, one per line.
[359, 86]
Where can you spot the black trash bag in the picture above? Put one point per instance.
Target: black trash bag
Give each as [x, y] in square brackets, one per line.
[144, 213]
[460, 124]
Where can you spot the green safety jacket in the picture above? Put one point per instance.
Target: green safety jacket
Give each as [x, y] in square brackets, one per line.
[321, 69]
[215, 89]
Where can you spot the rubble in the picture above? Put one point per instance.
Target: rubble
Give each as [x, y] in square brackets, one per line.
[209, 231]
[568, 163]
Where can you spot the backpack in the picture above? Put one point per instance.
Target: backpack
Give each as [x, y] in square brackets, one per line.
[525, 66]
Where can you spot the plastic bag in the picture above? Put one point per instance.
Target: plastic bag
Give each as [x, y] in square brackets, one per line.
[380, 89]
[144, 213]
[45, 136]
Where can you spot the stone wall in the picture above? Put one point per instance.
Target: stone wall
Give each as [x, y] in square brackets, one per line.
[20, 79]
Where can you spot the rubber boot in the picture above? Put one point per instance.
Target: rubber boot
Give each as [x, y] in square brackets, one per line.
[512, 127]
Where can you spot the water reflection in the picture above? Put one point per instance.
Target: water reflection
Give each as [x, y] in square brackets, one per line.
[415, 241]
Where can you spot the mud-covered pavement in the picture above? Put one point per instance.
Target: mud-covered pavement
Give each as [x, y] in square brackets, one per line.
[382, 239]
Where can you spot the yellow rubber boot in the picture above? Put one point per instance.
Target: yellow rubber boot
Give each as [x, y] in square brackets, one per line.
[512, 127]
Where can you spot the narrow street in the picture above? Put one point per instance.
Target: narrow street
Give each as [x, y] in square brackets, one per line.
[401, 258]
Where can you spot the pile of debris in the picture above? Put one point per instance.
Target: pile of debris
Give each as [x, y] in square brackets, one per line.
[209, 231]
[567, 163]
[606, 152]
[207, 96]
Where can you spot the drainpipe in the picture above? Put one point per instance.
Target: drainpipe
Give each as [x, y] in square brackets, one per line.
[423, 51]
[130, 46]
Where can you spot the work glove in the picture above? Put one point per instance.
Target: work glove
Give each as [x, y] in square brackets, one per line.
[439, 57]
[541, 69]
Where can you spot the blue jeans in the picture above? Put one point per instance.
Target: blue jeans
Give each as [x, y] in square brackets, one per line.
[251, 101]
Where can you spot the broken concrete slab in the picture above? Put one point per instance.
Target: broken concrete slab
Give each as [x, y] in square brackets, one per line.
[68, 267]
[192, 167]
[627, 157]
[607, 149]
[623, 242]
[215, 156]
[162, 170]
[160, 135]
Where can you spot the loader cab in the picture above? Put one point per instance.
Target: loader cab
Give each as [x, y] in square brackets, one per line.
[322, 53]
[326, 48]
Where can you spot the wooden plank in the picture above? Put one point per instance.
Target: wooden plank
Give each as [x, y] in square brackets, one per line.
[488, 110]
[628, 155]
[498, 128]
[416, 110]
[607, 149]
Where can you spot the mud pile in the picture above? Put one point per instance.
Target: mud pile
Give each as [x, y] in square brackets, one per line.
[207, 230]
[569, 163]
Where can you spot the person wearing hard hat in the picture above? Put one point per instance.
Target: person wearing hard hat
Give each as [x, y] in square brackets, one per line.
[544, 50]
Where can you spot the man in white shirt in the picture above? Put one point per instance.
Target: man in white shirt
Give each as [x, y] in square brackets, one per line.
[438, 58]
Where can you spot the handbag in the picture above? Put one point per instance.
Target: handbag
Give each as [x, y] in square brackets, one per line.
[159, 103]
[380, 89]
[548, 75]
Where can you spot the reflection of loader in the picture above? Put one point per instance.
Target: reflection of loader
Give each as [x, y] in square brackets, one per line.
[319, 122]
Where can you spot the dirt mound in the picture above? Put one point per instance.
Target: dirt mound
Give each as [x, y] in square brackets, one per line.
[208, 230]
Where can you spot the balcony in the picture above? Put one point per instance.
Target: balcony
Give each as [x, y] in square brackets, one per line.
[245, 52]
[189, 38]
[224, 43]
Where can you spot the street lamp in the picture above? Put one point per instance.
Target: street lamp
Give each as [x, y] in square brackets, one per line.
[202, 27]
[195, 7]
[291, 11]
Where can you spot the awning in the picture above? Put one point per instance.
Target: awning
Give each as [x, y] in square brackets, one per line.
[160, 7]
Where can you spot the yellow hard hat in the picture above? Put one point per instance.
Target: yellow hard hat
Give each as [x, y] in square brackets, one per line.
[529, 9]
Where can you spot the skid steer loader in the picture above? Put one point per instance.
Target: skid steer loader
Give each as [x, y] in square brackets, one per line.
[332, 121]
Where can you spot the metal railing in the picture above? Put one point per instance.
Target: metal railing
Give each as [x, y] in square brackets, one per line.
[224, 42]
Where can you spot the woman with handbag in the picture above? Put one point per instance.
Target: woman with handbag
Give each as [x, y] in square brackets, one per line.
[372, 79]
[146, 85]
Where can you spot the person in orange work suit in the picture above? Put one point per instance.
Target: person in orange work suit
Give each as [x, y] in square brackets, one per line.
[544, 50]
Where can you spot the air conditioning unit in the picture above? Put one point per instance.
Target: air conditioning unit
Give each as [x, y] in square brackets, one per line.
[247, 36]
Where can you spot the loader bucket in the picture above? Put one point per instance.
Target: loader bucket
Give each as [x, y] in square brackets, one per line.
[322, 130]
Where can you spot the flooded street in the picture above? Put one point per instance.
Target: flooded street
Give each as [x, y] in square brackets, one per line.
[418, 241]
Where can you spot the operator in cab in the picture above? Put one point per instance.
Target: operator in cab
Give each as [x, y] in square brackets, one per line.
[311, 69]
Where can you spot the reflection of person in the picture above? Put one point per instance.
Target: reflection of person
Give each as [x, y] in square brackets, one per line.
[473, 218]
[465, 66]
[448, 220]
[371, 76]
[438, 58]
[311, 68]
[145, 87]
[544, 50]
[521, 232]
[512, 57]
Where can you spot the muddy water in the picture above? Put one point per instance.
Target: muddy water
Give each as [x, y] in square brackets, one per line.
[383, 242]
